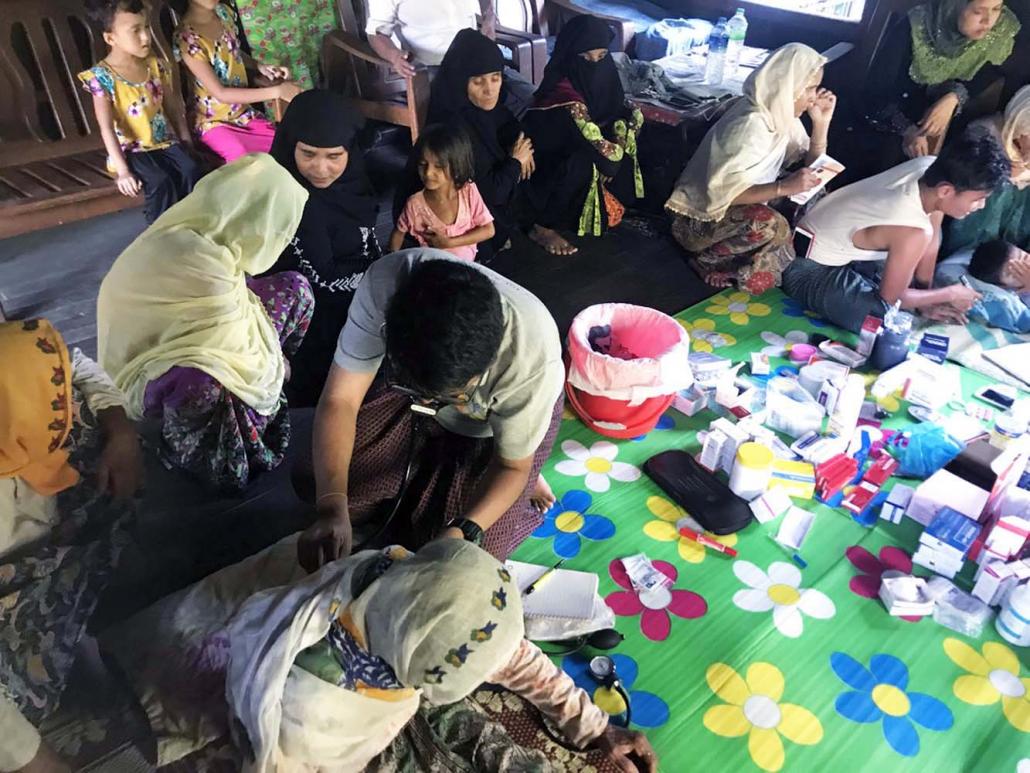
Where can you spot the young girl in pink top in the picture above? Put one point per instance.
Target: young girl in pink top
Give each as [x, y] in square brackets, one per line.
[448, 213]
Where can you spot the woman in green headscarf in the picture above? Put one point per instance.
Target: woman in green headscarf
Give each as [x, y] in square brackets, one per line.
[933, 64]
[367, 664]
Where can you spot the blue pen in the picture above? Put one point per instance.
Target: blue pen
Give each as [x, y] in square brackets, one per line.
[794, 555]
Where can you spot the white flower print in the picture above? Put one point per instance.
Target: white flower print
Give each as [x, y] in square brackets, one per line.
[597, 465]
[780, 591]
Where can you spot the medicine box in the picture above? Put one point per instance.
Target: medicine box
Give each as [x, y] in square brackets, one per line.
[897, 501]
[797, 479]
[770, 505]
[950, 530]
[945, 489]
[690, 400]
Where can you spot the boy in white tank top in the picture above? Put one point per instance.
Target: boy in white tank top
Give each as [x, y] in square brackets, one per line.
[872, 243]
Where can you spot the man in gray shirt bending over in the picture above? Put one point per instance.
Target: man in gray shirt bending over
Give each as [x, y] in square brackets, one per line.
[456, 429]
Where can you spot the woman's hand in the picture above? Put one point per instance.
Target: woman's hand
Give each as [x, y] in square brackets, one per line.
[804, 179]
[287, 90]
[821, 111]
[120, 470]
[935, 121]
[439, 241]
[274, 72]
[915, 143]
[328, 539]
[522, 151]
[621, 746]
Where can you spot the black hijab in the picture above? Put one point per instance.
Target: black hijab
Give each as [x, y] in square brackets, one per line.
[470, 54]
[597, 82]
[325, 119]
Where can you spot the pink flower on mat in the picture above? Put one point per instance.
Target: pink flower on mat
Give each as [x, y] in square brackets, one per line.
[891, 563]
[654, 605]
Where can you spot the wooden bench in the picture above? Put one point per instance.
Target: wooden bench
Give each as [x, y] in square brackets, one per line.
[52, 157]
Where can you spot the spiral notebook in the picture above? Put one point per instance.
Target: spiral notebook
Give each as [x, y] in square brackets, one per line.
[567, 595]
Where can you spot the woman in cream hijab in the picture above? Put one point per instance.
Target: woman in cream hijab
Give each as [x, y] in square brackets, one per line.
[193, 340]
[1006, 215]
[721, 204]
[367, 664]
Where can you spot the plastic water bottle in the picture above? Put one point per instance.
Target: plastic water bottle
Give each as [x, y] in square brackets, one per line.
[736, 31]
[716, 62]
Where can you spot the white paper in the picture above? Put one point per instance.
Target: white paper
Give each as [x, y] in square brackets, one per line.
[795, 527]
[568, 594]
[827, 168]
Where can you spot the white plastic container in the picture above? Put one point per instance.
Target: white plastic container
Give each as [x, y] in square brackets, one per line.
[1013, 622]
[752, 470]
[1007, 427]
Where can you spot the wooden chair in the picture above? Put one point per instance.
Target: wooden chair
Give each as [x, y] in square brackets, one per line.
[351, 66]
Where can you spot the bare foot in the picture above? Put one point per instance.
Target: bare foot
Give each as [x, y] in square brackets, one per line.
[542, 497]
[552, 241]
[719, 278]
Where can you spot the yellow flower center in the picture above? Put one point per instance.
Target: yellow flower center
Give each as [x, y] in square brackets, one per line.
[597, 464]
[890, 700]
[569, 521]
[783, 595]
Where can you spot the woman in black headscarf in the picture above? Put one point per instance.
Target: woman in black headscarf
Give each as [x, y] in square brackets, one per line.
[582, 130]
[468, 91]
[336, 239]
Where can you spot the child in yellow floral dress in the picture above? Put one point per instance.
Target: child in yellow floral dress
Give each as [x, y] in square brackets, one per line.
[207, 42]
[128, 88]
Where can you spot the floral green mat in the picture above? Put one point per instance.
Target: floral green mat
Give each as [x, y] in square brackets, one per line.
[753, 663]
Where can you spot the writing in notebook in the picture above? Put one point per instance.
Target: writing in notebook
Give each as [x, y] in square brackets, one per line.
[568, 594]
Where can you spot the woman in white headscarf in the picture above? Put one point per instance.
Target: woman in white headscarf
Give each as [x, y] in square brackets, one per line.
[721, 204]
[1006, 214]
[364, 665]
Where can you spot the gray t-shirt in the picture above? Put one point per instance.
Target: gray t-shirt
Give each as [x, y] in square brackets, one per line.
[515, 400]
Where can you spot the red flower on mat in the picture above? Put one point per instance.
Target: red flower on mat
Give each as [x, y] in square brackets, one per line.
[759, 282]
[893, 560]
[760, 212]
[653, 605]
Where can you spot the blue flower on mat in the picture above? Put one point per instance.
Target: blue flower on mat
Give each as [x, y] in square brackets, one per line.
[648, 710]
[792, 308]
[666, 422]
[880, 693]
[568, 521]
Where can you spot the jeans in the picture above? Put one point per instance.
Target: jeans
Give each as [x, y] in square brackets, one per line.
[844, 295]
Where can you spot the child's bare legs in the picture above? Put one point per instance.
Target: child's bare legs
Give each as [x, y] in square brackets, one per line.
[552, 241]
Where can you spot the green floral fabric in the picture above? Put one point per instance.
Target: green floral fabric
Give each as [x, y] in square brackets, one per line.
[289, 33]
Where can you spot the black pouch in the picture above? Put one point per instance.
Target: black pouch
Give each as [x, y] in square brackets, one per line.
[708, 500]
